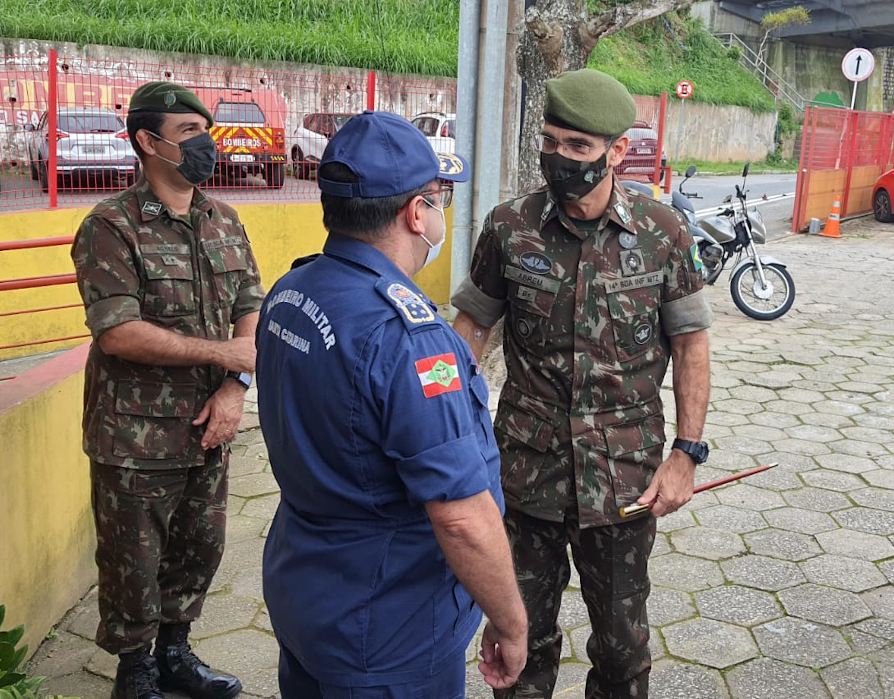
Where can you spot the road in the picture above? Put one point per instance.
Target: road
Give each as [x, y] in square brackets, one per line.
[773, 194]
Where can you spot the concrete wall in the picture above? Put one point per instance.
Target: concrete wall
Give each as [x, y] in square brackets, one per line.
[279, 233]
[47, 546]
[113, 73]
[716, 133]
[810, 69]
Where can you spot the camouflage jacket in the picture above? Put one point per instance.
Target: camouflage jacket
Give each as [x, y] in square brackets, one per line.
[193, 275]
[589, 308]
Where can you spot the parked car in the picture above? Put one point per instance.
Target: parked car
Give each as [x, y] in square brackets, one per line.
[249, 130]
[90, 142]
[310, 139]
[882, 194]
[639, 163]
[439, 128]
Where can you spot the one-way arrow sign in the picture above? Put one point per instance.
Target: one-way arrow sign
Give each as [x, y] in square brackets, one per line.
[858, 64]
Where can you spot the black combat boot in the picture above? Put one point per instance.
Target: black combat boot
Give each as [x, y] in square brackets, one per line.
[137, 677]
[180, 669]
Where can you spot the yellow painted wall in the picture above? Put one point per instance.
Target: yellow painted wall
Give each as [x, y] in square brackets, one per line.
[279, 233]
[47, 540]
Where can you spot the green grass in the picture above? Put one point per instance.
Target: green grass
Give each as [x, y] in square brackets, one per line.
[649, 60]
[734, 167]
[407, 36]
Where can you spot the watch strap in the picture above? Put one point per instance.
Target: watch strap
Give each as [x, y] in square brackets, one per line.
[243, 378]
[698, 451]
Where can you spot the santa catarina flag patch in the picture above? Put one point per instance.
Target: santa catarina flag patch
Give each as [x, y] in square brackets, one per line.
[438, 375]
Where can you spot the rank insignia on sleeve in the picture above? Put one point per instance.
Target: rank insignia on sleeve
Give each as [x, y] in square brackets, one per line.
[413, 306]
[438, 374]
[696, 257]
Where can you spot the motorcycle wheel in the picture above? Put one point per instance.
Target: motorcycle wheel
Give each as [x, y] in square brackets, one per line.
[759, 303]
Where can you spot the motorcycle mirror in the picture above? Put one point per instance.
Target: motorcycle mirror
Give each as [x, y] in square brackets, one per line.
[690, 171]
[745, 170]
[728, 198]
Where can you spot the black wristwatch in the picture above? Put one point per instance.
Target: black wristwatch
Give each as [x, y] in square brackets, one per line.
[698, 451]
[241, 377]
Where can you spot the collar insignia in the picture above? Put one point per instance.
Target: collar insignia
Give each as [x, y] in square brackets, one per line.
[622, 212]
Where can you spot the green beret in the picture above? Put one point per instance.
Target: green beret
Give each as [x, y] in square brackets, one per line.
[169, 98]
[589, 101]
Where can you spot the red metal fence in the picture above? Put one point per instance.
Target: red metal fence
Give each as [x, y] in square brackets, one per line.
[271, 126]
[842, 154]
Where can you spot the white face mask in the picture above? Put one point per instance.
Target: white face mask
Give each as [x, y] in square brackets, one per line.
[435, 250]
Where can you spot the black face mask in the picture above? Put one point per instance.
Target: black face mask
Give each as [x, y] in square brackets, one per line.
[571, 180]
[198, 157]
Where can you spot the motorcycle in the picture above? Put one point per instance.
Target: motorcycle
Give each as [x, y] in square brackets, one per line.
[760, 285]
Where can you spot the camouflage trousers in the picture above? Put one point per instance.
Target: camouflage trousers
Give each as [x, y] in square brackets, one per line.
[613, 565]
[159, 541]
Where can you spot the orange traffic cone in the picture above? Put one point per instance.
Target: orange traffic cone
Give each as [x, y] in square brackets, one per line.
[832, 229]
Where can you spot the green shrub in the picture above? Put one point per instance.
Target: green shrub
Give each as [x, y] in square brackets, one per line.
[13, 682]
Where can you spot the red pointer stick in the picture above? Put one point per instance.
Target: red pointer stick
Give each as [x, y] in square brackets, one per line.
[635, 509]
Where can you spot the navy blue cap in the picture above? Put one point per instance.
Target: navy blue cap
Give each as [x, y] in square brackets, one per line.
[389, 155]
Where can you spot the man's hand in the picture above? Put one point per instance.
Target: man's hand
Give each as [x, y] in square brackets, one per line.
[223, 411]
[671, 486]
[504, 656]
[238, 354]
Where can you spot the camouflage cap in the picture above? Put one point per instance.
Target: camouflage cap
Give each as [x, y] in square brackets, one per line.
[168, 97]
[589, 101]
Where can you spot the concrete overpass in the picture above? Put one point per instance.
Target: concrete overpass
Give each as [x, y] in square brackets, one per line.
[833, 23]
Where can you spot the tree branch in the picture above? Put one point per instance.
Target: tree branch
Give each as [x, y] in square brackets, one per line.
[623, 16]
[549, 36]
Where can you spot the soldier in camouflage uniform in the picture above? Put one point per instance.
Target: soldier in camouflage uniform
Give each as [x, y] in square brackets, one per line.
[599, 288]
[164, 272]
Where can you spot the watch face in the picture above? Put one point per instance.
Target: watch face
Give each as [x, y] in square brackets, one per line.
[702, 452]
[697, 450]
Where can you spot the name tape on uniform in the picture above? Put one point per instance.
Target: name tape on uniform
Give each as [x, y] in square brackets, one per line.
[628, 283]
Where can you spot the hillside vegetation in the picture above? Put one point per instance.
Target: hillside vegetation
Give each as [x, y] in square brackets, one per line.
[406, 36]
[653, 57]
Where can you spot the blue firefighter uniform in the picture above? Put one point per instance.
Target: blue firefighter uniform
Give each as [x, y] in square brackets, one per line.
[371, 406]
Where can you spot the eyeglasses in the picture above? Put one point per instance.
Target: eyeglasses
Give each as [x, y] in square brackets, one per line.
[547, 144]
[446, 195]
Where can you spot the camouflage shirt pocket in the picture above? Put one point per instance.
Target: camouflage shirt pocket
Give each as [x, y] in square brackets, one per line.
[228, 262]
[153, 420]
[635, 321]
[523, 439]
[169, 285]
[634, 452]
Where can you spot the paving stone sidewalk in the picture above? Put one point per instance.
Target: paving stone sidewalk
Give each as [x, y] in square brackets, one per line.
[775, 587]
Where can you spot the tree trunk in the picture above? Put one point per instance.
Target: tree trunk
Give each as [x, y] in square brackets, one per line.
[550, 44]
[559, 35]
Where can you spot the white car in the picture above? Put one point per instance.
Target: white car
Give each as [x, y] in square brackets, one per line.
[310, 139]
[90, 142]
[439, 128]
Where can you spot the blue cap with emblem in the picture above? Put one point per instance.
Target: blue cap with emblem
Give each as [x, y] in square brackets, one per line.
[388, 155]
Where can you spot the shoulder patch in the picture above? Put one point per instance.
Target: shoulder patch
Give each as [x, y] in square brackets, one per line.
[413, 309]
[696, 257]
[438, 374]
